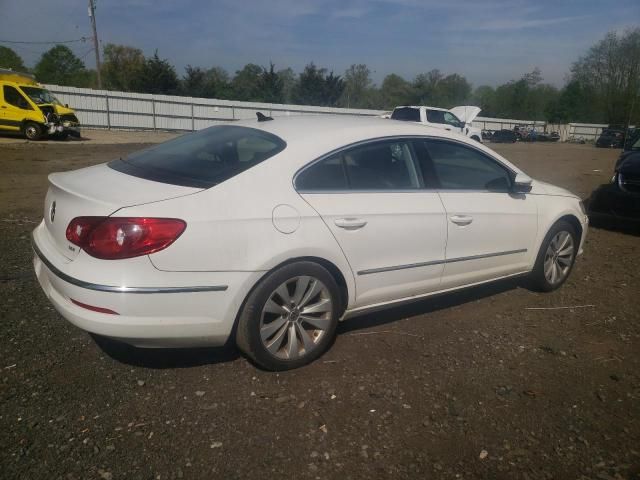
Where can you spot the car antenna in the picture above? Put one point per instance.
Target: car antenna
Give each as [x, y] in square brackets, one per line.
[262, 117]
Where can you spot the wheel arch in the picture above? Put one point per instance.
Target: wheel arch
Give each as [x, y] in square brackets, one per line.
[331, 267]
[573, 221]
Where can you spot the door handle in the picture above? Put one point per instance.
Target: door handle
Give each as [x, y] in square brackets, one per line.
[461, 220]
[3, 106]
[350, 223]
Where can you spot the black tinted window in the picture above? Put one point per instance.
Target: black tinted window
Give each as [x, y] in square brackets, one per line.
[408, 114]
[381, 166]
[435, 116]
[204, 158]
[13, 97]
[461, 168]
[376, 166]
[328, 174]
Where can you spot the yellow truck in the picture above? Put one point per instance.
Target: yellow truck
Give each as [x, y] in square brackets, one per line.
[27, 107]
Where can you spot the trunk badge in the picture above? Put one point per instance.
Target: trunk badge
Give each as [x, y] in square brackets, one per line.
[52, 211]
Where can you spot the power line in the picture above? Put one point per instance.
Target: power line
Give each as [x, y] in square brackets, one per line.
[81, 39]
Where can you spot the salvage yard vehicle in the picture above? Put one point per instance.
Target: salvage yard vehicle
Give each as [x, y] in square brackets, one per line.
[269, 232]
[504, 136]
[610, 138]
[618, 202]
[458, 119]
[27, 107]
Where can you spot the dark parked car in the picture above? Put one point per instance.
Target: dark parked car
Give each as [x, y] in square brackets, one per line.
[504, 136]
[619, 201]
[548, 137]
[610, 138]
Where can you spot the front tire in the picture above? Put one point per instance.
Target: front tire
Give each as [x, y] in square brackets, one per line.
[290, 318]
[556, 257]
[32, 131]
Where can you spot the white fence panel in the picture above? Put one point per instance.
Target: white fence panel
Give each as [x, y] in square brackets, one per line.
[124, 110]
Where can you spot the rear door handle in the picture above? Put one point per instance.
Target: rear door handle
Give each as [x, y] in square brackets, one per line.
[350, 223]
[461, 220]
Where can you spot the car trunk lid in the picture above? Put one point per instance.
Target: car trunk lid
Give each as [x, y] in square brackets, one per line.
[96, 191]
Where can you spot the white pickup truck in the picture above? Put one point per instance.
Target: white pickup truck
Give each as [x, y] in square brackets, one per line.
[457, 119]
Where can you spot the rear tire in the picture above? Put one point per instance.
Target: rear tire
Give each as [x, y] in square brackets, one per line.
[32, 131]
[556, 257]
[290, 318]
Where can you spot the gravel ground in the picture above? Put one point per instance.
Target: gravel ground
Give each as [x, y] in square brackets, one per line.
[471, 385]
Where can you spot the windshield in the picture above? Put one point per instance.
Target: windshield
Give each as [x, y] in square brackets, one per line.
[40, 96]
[202, 159]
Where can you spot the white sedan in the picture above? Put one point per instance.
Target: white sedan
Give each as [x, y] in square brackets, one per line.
[271, 231]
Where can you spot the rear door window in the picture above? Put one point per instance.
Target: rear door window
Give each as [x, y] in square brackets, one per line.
[202, 159]
[386, 165]
[407, 114]
[435, 116]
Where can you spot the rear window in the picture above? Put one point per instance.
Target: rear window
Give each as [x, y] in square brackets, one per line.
[406, 114]
[204, 158]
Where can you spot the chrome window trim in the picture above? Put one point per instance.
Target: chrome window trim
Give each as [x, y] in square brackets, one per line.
[440, 262]
[397, 137]
[120, 289]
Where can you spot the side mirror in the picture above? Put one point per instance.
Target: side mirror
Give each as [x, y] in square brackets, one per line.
[66, 105]
[522, 183]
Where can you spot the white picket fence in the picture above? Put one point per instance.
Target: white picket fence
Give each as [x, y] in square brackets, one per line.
[139, 111]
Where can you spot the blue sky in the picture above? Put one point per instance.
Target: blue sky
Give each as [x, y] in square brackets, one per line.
[489, 42]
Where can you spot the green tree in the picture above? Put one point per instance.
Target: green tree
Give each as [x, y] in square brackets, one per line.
[395, 91]
[289, 82]
[453, 90]
[193, 83]
[271, 86]
[316, 87]
[10, 59]
[159, 76]
[611, 69]
[484, 97]
[333, 89]
[60, 66]
[425, 88]
[123, 68]
[247, 82]
[358, 87]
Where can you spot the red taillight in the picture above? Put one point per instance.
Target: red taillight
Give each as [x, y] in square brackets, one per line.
[80, 227]
[111, 238]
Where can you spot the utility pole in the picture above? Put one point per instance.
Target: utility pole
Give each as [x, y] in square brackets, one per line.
[96, 48]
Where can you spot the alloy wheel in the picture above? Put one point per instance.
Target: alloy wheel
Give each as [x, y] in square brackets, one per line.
[296, 317]
[558, 257]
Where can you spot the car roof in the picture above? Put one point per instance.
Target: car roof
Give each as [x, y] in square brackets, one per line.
[344, 128]
[309, 136]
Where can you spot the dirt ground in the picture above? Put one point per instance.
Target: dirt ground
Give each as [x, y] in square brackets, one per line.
[474, 385]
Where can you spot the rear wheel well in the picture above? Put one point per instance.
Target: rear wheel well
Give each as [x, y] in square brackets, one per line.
[331, 268]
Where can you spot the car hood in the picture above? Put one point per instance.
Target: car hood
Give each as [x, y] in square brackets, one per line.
[466, 113]
[549, 189]
[630, 164]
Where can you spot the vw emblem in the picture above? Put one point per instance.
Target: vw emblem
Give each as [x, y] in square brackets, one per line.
[52, 211]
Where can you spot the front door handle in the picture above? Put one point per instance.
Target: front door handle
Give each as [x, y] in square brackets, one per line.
[461, 220]
[350, 223]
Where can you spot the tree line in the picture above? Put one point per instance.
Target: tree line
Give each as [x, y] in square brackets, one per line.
[603, 86]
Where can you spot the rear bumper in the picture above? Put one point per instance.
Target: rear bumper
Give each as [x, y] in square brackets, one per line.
[147, 316]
